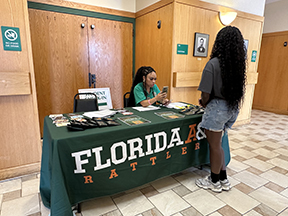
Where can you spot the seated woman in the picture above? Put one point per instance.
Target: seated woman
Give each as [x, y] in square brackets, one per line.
[144, 91]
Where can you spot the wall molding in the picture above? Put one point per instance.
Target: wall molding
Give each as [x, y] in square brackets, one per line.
[19, 171]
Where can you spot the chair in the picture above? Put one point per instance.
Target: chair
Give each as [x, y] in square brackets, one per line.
[85, 105]
[126, 99]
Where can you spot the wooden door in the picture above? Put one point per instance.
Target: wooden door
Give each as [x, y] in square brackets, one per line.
[110, 56]
[60, 55]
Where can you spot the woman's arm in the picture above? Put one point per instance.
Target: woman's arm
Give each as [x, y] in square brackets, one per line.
[205, 98]
[159, 97]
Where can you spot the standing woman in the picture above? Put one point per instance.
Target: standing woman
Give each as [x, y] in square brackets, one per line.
[144, 91]
[223, 87]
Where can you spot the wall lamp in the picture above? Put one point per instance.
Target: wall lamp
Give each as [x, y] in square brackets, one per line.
[227, 17]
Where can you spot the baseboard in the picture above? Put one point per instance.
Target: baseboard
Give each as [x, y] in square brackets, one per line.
[277, 111]
[19, 171]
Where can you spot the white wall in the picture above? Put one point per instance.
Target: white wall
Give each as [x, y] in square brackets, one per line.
[249, 6]
[123, 5]
[276, 17]
[141, 4]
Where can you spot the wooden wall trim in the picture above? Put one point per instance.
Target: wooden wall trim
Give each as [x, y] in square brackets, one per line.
[86, 7]
[252, 78]
[275, 34]
[218, 8]
[186, 79]
[15, 83]
[153, 7]
[19, 171]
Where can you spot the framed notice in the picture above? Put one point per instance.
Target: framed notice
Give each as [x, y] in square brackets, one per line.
[201, 42]
[133, 120]
[169, 115]
[103, 97]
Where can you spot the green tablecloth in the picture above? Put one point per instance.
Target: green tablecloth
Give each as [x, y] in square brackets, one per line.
[81, 165]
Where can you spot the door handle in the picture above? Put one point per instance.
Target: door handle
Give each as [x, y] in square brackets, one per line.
[92, 80]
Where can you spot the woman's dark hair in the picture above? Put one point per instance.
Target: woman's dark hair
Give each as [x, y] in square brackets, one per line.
[230, 50]
[142, 71]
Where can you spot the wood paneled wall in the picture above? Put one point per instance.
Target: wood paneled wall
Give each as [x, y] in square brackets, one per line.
[271, 90]
[20, 140]
[153, 45]
[190, 16]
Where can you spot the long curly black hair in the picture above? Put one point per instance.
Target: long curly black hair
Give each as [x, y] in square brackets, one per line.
[230, 50]
[142, 71]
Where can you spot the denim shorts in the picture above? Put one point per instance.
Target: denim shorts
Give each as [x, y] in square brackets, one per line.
[217, 117]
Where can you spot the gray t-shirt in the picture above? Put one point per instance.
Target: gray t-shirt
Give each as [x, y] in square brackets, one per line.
[211, 81]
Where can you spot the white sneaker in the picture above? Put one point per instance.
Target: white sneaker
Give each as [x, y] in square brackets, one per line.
[206, 183]
[225, 184]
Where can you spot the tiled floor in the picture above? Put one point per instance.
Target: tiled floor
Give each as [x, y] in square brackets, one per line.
[258, 172]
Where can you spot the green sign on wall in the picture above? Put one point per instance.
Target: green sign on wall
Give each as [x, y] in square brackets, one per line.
[253, 57]
[182, 49]
[11, 38]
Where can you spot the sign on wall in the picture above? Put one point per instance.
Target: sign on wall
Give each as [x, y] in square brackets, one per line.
[11, 38]
[103, 97]
[253, 57]
[182, 49]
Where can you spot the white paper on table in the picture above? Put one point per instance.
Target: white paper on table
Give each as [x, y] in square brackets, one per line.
[176, 105]
[148, 108]
[100, 114]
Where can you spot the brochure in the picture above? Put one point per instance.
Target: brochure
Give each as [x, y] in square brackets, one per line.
[133, 120]
[169, 115]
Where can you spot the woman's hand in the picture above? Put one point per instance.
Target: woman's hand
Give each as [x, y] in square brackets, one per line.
[166, 102]
[161, 96]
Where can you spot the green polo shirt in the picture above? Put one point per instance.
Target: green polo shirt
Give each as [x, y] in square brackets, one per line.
[139, 93]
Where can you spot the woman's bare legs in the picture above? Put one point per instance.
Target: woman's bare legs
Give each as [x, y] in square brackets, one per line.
[217, 159]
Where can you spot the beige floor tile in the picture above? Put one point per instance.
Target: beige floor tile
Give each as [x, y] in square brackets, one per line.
[265, 210]
[244, 153]
[244, 188]
[133, 203]
[30, 187]
[280, 170]
[258, 164]
[8, 186]
[181, 190]
[228, 210]
[270, 198]
[235, 145]
[97, 206]
[275, 145]
[274, 187]
[282, 151]
[264, 152]
[232, 199]
[152, 212]
[204, 202]
[276, 177]
[252, 213]
[165, 184]
[284, 213]
[190, 211]
[253, 144]
[178, 214]
[279, 162]
[237, 166]
[285, 193]
[215, 214]
[250, 179]
[149, 191]
[22, 206]
[168, 203]
[44, 210]
[113, 213]
[188, 180]
[11, 195]
[1, 198]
